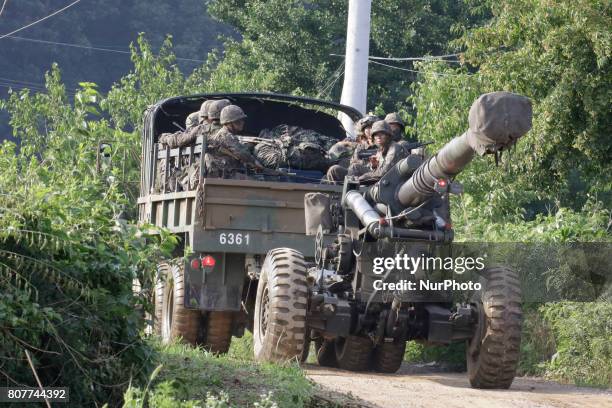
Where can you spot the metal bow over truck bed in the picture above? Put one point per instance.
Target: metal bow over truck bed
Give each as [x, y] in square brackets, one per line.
[228, 224]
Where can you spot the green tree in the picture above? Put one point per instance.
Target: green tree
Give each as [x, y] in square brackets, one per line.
[288, 43]
[557, 53]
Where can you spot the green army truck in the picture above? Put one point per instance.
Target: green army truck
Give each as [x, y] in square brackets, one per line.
[225, 227]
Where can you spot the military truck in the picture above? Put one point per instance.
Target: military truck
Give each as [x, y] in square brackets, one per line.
[342, 304]
[206, 293]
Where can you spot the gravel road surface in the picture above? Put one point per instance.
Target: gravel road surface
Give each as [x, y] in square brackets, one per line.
[422, 387]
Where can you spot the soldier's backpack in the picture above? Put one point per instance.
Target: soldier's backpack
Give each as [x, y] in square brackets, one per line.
[307, 156]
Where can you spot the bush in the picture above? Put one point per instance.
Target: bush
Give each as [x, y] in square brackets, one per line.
[583, 338]
[67, 255]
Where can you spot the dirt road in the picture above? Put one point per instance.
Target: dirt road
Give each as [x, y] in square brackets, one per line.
[416, 387]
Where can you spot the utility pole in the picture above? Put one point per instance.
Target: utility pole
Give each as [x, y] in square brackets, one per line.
[355, 88]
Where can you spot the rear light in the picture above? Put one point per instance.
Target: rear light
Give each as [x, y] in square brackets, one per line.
[195, 263]
[208, 261]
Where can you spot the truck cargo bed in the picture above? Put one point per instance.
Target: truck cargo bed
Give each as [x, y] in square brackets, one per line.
[241, 216]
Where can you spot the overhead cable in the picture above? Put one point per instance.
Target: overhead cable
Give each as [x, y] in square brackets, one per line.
[3, 6]
[87, 47]
[423, 58]
[417, 72]
[40, 20]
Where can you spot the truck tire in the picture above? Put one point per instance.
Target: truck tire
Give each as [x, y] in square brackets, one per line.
[280, 308]
[172, 319]
[388, 357]
[218, 332]
[493, 352]
[353, 352]
[326, 353]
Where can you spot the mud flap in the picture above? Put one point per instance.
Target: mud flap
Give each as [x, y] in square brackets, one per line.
[218, 287]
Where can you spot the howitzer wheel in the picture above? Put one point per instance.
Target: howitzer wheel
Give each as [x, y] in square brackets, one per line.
[172, 319]
[353, 352]
[493, 352]
[388, 357]
[280, 308]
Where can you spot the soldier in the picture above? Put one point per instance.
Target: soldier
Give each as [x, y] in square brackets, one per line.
[227, 153]
[192, 120]
[388, 154]
[214, 115]
[397, 126]
[357, 165]
[204, 111]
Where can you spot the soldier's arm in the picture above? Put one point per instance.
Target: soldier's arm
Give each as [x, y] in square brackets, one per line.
[233, 145]
[394, 154]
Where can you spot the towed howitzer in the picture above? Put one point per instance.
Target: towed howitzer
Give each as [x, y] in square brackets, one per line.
[496, 121]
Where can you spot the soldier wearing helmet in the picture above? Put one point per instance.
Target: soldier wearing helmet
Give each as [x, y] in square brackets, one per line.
[357, 166]
[203, 114]
[388, 154]
[396, 124]
[214, 114]
[227, 155]
[192, 120]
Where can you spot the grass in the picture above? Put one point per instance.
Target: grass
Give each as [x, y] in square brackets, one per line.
[191, 377]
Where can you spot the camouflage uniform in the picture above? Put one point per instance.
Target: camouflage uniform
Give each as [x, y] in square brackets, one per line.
[388, 154]
[356, 166]
[226, 156]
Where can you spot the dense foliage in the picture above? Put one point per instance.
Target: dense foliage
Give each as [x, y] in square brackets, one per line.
[297, 57]
[67, 255]
[558, 55]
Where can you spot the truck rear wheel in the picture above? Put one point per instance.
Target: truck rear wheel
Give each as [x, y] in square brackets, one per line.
[353, 352]
[218, 332]
[172, 319]
[493, 352]
[388, 357]
[280, 308]
[326, 353]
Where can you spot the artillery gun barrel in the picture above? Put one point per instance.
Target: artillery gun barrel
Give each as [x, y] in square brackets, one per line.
[497, 120]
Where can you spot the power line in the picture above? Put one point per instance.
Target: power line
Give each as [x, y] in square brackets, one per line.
[23, 82]
[329, 86]
[415, 71]
[41, 20]
[3, 5]
[391, 66]
[87, 47]
[35, 86]
[423, 58]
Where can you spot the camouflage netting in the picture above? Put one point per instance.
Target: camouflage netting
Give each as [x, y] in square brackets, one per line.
[294, 147]
[270, 155]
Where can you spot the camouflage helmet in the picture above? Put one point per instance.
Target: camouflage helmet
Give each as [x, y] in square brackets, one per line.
[394, 117]
[381, 126]
[204, 109]
[215, 108]
[232, 113]
[366, 121]
[192, 120]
